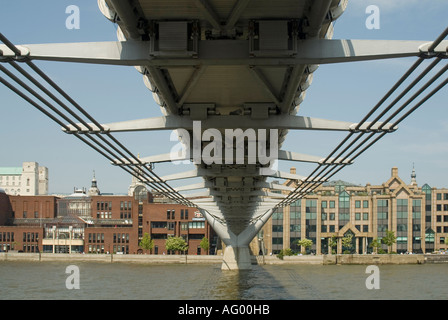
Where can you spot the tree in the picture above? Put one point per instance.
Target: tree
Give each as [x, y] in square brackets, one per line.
[176, 244]
[389, 239]
[305, 243]
[205, 245]
[376, 243]
[347, 241]
[285, 252]
[333, 243]
[146, 243]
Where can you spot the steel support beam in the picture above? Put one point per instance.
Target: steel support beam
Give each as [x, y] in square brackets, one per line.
[290, 122]
[224, 52]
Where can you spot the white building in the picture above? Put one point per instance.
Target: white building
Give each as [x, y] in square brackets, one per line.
[28, 180]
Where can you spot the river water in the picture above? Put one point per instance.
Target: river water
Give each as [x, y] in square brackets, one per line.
[120, 281]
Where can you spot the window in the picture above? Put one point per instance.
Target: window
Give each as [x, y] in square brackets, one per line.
[402, 208]
[278, 214]
[158, 224]
[416, 209]
[344, 207]
[357, 204]
[311, 209]
[196, 224]
[365, 203]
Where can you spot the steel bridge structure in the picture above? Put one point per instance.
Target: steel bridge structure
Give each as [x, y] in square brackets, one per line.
[220, 65]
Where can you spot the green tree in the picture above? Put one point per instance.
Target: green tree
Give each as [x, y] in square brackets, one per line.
[389, 239]
[176, 244]
[375, 244]
[205, 245]
[146, 243]
[347, 241]
[332, 244]
[305, 243]
[285, 252]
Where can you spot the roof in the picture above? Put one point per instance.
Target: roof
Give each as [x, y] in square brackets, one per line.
[339, 183]
[10, 171]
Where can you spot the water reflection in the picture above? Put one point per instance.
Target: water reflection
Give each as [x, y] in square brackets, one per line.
[245, 285]
[120, 281]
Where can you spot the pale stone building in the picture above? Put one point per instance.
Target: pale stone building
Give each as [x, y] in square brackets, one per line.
[418, 216]
[28, 180]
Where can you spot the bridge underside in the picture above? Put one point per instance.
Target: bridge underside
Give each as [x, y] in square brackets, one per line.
[220, 65]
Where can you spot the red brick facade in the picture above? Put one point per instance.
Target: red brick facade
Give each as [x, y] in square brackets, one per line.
[116, 224]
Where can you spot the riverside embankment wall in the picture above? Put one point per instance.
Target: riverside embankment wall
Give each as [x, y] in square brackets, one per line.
[345, 259]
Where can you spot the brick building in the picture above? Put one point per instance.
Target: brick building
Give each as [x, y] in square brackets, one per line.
[80, 223]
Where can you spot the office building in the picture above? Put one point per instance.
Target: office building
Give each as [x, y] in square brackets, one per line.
[418, 216]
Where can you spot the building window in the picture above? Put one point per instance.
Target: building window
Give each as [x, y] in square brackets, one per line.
[196, 224]
[278, 214]
[277, 228]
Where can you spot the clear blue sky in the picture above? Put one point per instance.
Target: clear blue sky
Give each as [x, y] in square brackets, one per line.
[339, 91]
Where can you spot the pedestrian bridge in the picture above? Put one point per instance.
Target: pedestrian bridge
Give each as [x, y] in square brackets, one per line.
[229, 77]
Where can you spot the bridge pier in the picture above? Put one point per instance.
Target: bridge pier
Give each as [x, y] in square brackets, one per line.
[236, 258]
[236, 253]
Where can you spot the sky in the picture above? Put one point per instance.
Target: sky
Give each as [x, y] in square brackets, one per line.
[339, 91]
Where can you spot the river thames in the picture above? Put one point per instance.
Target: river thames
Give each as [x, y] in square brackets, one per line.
[127, 281]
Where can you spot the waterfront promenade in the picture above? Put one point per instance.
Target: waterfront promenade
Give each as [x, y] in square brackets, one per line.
[344, 259]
